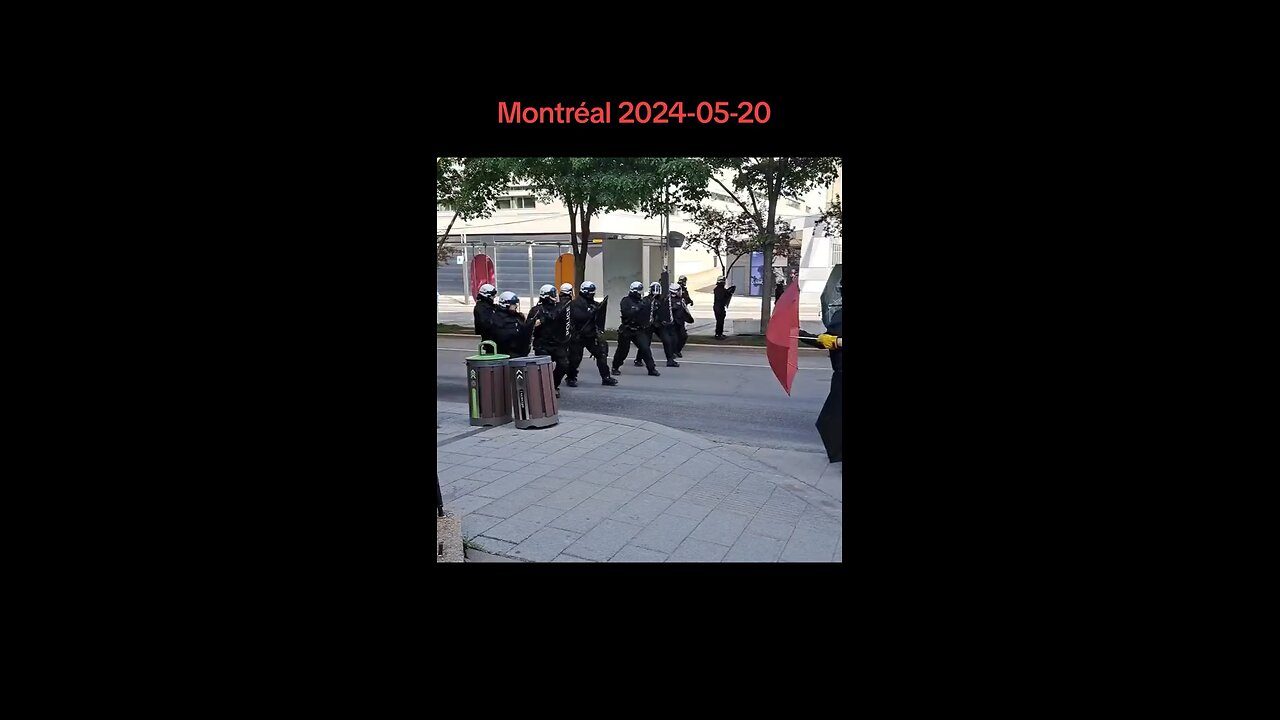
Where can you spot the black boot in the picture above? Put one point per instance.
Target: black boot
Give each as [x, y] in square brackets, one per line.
[557, 392]
[571, 382]
[654, 373]
[638, 363]
[608, 381]
[617, 371]
[679, 355]
[672, 363]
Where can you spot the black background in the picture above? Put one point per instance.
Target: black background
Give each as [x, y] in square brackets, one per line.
[288, 361]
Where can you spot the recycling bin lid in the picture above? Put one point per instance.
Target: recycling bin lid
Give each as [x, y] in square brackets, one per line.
[530, 360]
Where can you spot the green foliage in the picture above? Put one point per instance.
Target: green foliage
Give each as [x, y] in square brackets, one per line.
[729, 235]
[590, 186]
[831, 217]
[469, 186]
[758, 183]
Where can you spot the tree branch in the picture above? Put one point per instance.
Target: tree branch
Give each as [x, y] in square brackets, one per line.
[754, 206]
[734, 195]
[445, 236]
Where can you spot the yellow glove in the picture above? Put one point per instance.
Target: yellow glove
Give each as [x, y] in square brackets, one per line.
[828, 341]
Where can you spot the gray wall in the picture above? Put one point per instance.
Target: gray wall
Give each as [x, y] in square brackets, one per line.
[622, 266]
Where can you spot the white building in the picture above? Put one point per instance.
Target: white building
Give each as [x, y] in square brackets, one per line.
[524, 234]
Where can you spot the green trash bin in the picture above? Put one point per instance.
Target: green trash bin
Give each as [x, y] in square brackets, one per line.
[488, 393]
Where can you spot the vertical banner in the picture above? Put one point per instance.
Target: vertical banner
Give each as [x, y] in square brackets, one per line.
[564, 272]
[482, 271]
[757, 274]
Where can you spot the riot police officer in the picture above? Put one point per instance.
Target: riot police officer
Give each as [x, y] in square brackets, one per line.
[550, 320]
[682, 315]
[722, 297]
[585, 334]
[483, 311]
[651, 325]
[510, 331]
[634, 329]
[663, 319]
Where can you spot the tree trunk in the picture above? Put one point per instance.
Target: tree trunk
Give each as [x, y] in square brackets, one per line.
[440, 241]
[580, 253]
[584, 220]
[766, 291]
[573, 236]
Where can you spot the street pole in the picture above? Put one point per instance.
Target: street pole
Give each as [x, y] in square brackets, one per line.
[666, 246]
[466, 272]
[531, 295]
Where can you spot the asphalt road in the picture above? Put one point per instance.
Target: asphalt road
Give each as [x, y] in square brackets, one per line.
[722, 394]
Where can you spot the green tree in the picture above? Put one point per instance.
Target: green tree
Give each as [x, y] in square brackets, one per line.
[763, 180]
[468, 187]
[728, 235]
[833, 219]
[590, 186]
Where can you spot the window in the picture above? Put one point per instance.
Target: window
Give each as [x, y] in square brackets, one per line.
[837, 253]
[444, 207]
[515, 203]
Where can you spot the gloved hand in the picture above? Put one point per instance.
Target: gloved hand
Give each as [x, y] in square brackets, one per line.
[828, 341]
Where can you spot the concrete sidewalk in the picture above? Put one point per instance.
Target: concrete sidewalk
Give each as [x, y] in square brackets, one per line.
[599, 488]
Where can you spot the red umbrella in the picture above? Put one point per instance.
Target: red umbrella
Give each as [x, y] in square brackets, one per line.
[780, 344]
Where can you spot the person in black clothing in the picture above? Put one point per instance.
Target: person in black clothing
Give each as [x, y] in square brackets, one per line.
[550, 321]
[663, 314]
[650, 326]
[510, 331]
[832, 340]
[682, 332]
[634, 329]
[680, 315]
[483, 311]
[566, 292]
[585, 335]
[684, 291]
[722, 297]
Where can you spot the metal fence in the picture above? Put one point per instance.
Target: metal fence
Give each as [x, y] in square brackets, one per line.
[511, 263]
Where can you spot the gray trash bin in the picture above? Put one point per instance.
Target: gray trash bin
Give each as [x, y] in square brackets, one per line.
[532, 388]
[487, 391]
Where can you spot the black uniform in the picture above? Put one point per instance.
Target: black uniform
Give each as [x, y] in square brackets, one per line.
[662, 314]
[483, 315]
[833, 407]
[511, 333]
[634, 329]
[584, 335]
[723, 296]
[835, 398]
[682, 316]
[552, 336]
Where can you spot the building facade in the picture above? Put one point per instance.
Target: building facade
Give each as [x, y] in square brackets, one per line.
[526, 234]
